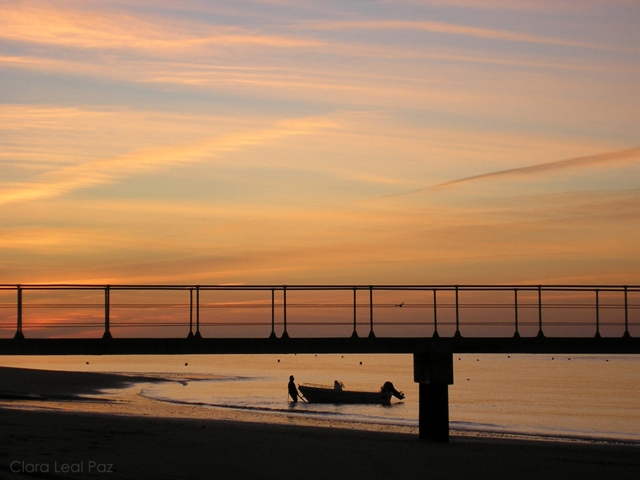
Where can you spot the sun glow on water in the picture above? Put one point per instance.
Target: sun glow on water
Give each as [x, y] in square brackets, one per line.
[586, 396]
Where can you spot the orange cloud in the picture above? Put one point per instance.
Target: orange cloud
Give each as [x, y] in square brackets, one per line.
[451, 29]
[520, 5]
[96, 172]
[108, 30]
[631, 154]
[168, 241]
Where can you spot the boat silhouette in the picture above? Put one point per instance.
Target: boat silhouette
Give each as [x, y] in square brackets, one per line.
[337, 394]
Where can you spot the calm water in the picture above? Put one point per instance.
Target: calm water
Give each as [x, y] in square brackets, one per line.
[591, 397]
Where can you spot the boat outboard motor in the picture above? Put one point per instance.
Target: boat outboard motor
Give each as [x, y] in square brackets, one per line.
[388, 387]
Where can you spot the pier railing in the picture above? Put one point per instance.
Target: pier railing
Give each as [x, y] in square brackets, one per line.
[281, 311]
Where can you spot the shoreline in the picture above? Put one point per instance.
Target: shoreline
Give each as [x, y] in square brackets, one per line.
[123, 395]
[138, 438]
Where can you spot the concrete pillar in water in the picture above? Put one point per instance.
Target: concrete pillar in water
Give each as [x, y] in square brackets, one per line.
[433, 371]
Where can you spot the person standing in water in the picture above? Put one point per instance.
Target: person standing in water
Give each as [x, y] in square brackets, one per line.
[293, 391]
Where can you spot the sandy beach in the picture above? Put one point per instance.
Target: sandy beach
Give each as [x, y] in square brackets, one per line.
[69, 435]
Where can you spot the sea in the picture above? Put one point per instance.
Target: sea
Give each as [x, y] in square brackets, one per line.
[592, 398]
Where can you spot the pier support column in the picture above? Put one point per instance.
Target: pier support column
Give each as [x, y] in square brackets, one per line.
[433, 371]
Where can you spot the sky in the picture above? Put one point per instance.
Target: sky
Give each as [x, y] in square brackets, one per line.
[307, 142]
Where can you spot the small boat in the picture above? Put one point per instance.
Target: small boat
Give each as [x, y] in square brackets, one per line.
[336, 394]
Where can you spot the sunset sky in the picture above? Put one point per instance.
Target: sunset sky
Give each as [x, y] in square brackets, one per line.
[411, 142]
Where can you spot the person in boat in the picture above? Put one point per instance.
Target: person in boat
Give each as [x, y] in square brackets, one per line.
[293, 391]
[338, 386]
[388, 387]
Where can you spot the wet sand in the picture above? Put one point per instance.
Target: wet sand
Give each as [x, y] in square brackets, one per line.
[59, 385]
[139, 438]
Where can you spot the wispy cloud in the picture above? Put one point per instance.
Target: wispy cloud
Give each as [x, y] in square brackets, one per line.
[599, 160]
[631, 154]
[88, 29]
[103, 171]
[249, 60]
[451, 29]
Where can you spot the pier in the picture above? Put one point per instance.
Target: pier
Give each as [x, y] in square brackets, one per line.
[430, 322]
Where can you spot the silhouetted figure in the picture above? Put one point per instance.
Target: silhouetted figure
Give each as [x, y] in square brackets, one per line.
[293, 391]
[388, 387]
[338, 386]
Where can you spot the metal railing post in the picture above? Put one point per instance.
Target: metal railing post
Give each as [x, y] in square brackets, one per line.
[597, 314]
[285, 334]
[198, 334]
[435, 316]
[457, 334]
[19, 335]
[107, 304]
[371, 334]
[273, 314]
[515, 303]
[355, 331]
[190, 335]
[540, 333]
[626, 314]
